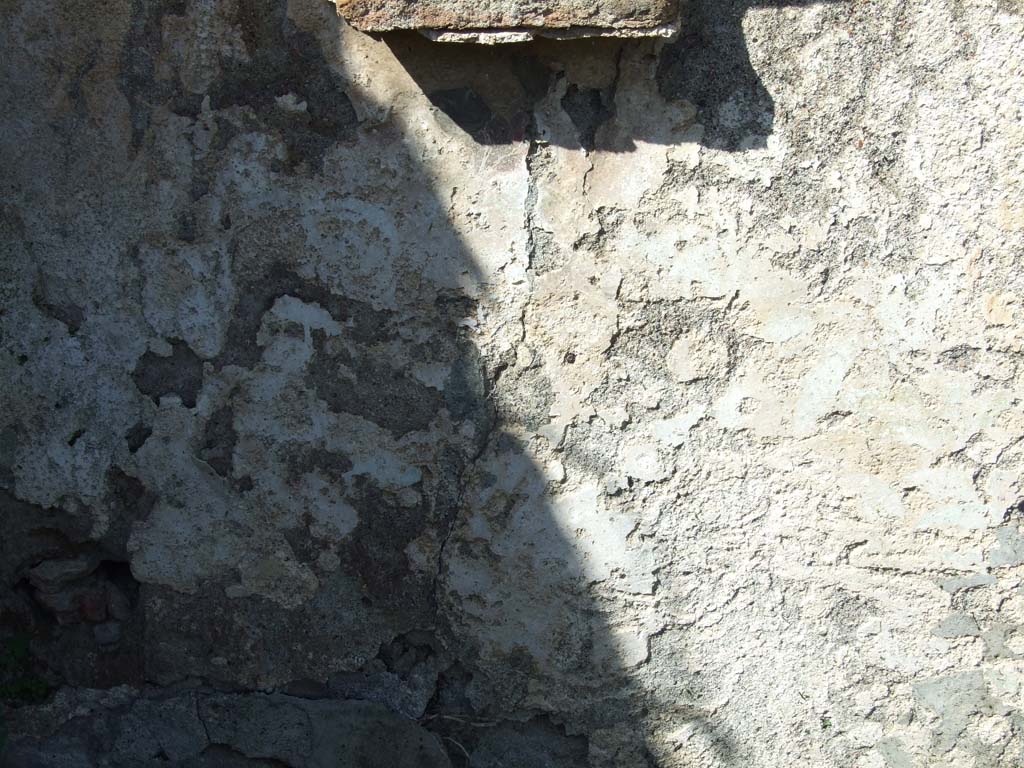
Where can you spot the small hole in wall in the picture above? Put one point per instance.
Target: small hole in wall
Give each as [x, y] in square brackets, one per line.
[570, 358]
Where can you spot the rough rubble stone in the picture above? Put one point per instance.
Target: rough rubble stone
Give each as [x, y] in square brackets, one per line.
[136, 729]
[461, 15]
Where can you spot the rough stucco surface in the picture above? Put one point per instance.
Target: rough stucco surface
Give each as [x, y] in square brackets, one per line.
[379, 402]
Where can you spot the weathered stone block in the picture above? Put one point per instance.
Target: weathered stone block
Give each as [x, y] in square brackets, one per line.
[511, 19]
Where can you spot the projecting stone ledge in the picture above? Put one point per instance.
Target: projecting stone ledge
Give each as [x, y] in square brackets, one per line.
[506, 21]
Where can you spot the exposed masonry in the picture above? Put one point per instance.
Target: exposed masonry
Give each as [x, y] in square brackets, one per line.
[580, 403]
[511, 21]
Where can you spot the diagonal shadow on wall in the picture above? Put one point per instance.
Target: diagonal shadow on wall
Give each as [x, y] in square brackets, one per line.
[341, 500]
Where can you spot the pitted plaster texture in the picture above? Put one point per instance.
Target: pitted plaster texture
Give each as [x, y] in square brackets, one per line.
[584, 403]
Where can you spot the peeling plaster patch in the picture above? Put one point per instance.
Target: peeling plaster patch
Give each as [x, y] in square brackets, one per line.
[673, 431]
[1010, 551]
[955, 699]
[179, 373]
[693, 356]
[274, 575]
[957, 625]
[307, 316]
[594, 532]
[643, 462]
[333, 518]
[432, 374]
[185, 292]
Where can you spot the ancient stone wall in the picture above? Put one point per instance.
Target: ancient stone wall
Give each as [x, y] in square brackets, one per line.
[373, 401]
